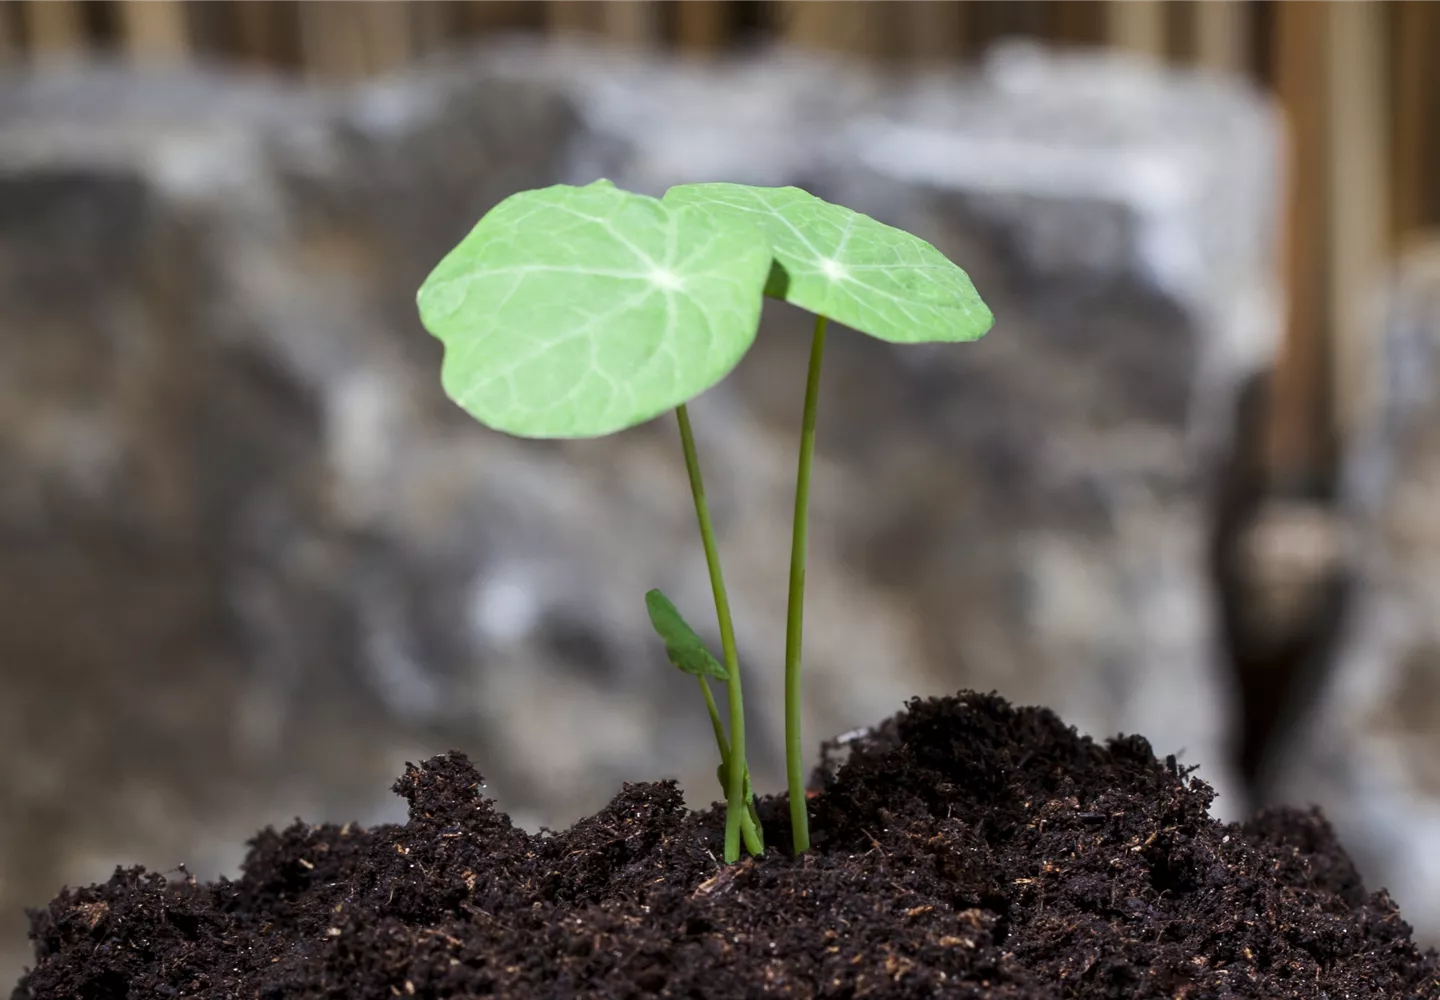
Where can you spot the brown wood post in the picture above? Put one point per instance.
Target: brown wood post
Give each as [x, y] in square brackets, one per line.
[1076, 22]
[1359, 199]
[1137, 26]
[934, 30]
[1180, 26]
[630, 24]
[155, 31]
[1297, 403]
[856, 26]
[803, 25]
[347, 40]
[1416, 149]
[257, 31]
[1222, 35]
[9, 43]
[54, 29]
[571, 18]
[387, 33]
[701, 26]
[433, 25]
[479, 17]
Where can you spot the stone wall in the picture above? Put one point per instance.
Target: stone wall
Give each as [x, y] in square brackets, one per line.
[1369, 748]
[254, 559]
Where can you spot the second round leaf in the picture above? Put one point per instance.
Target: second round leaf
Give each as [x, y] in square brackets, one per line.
[848, 267]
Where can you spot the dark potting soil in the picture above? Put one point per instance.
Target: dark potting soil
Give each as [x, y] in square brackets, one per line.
[965, 849]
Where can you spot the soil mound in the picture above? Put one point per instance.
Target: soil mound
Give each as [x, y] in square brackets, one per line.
[965, 848]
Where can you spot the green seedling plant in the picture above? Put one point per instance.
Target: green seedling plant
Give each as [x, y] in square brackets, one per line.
[687, 652]
[577, 312]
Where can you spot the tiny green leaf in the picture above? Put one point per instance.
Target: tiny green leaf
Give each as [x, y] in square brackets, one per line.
[722, 778]
[580, 311]
[845, 266]
[685, 649]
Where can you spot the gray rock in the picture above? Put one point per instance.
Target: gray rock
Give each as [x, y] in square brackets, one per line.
[1368, 751]
[259, 559]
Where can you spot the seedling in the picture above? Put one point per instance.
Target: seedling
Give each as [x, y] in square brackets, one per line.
[575, 312]
[687, 652]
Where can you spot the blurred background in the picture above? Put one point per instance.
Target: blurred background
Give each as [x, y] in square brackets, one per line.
[251, 560]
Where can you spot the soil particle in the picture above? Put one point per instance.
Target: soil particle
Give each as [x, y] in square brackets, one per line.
[965, 848]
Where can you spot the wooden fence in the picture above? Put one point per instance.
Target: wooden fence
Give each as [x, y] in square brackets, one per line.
[1357, 79]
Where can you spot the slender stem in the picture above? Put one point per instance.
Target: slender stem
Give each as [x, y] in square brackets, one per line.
[750, 828]
[720, 741]
[795, 614]
[735, 791]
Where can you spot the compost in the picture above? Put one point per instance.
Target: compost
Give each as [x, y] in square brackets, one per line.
[964, 848]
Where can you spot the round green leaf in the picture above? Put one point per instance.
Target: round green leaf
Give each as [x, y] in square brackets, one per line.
[580, 311]
[845, 266]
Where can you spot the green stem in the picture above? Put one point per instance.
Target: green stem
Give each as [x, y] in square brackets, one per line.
[750, 827]
[735, 792]
[720, 741]
[795, 614]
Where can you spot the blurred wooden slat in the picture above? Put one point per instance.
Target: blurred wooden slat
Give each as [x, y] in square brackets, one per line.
[387, 32]
[988, 23]
[1137, 26]
[984, 23]
[484, 16]
[933, 30]
[815, 25]
[433, 24]
[701, 26]
[348, 40]
[1297, 401]
[154, 31]
[1359, 199]
[1022, 18]
[1416, 165]
[9, 43]
[1222, 34]
[256, 30]
[1076, 22]
[850, 26]
[631, 24]
[574, 17]
[1179, 28]
[54, 29]
[1262, 41]
[324, 52]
